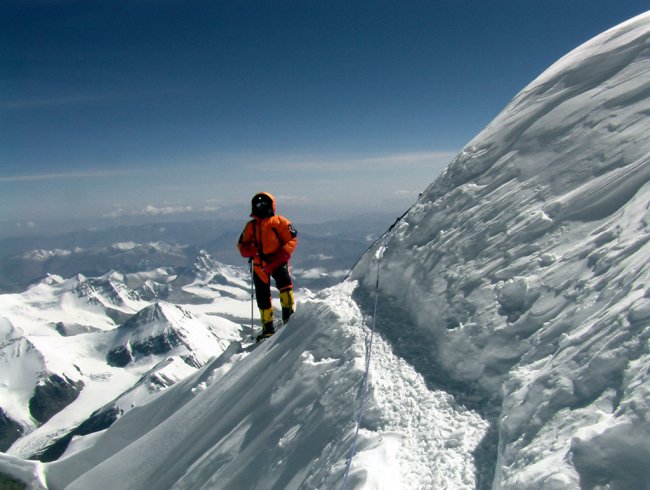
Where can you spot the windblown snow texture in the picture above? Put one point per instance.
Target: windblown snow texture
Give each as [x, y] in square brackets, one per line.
[524, 269]
[513, 324]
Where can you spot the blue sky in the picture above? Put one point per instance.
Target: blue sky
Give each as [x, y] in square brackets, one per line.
[165, 108]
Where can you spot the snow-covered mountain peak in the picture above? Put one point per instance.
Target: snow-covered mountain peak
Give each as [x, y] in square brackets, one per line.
[55, 339]
[8, 331]
[21, 365]
[203, 262]
[114, 276]
[52, 279]
[108, 287]
[159, 313]
[207, 270]
[109, 293]
[512, 324]
[164, 328]
[33, 385]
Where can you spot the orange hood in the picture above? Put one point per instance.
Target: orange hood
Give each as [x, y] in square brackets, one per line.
[267, 194]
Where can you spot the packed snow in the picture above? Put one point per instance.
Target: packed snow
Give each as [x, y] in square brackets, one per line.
[511, 345]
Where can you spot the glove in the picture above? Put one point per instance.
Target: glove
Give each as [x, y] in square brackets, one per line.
[277, 260]
[248, 250]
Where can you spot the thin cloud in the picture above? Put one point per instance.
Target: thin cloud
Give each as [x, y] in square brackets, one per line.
[28, 224]
[406, 193]
[402, 160]
[65, 175]
[164, 210]
[415, 158]
[149, 210]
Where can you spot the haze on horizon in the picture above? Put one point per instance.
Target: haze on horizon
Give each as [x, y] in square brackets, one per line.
[161, 110]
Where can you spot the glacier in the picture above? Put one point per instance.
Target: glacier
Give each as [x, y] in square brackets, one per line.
[511, 344]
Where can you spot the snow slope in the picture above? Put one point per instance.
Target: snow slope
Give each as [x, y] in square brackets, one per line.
[282, 416]
[524, 267]
[512, 327]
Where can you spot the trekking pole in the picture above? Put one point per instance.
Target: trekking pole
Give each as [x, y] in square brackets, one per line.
[250, 261]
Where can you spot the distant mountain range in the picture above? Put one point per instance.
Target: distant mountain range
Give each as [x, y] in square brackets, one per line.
[326, 251]
[77, 353]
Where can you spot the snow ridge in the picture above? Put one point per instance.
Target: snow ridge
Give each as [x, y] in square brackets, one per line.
[523, 270]
[251, 413]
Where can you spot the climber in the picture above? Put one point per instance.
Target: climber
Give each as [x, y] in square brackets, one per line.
[269, 240]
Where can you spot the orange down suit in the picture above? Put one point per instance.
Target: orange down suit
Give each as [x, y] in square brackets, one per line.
[269, 240]
[274, 240]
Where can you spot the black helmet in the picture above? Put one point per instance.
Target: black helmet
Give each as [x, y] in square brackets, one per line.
[262, 205]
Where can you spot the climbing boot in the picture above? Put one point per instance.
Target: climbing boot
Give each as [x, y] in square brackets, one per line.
[267, 323]
[267, 331]
[287, 301]
[266, 315]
